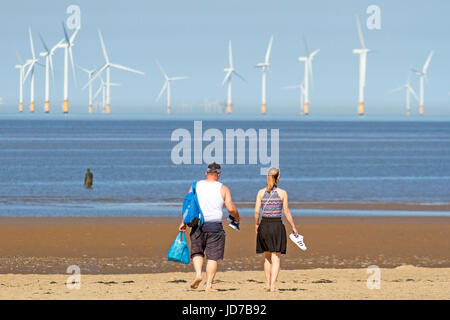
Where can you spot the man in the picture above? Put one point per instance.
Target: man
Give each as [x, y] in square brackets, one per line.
[209, 239]
[88, 179]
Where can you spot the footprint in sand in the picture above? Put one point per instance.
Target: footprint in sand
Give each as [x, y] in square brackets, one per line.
[323, 281]
[107, 282]
[292, 289]
[251, 280]
[177, 281]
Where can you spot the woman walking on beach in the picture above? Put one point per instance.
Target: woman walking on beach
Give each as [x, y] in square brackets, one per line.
[270, 232]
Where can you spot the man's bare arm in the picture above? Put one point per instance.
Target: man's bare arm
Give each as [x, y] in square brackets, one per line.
[228, 201]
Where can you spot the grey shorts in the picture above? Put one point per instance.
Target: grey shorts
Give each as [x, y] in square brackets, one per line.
[210, 243]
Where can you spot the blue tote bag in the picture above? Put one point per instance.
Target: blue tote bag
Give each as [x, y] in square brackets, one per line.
[179, 251]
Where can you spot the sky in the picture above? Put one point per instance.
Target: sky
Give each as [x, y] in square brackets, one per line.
[190, 38]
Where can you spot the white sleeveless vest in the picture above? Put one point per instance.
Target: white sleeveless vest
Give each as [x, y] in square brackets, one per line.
[210, 200]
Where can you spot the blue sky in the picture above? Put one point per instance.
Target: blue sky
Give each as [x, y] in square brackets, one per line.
[190, 38]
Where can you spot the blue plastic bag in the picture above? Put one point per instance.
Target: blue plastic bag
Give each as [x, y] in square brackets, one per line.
[179, 251]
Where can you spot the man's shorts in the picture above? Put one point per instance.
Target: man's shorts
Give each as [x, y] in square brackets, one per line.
[211, 243]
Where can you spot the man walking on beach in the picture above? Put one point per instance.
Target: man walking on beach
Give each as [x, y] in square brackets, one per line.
[88, 179]
[210, 237]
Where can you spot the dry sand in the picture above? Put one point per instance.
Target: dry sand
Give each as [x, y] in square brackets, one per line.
[405, 282]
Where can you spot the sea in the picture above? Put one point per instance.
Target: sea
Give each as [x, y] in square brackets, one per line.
[43, 163]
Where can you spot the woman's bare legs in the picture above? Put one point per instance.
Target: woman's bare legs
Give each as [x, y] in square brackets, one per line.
[267, 268]
[275, 270]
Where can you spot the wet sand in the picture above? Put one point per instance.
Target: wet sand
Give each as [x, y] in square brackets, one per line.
[140, 245]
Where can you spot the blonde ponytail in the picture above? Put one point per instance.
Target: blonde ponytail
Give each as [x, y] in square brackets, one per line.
[273, 177]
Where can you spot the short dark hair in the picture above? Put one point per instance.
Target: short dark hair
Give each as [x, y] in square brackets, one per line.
[214, 168]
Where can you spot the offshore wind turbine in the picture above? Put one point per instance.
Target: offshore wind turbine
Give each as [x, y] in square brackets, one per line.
[409, 90]
[21, 66]
[90, 73]
[264, 67]
[229, 72]
[423, 75]
[102, 89]
[32, 63]
[48, 53]
[308, 74]
[166, 86]
[362, 66]
[67, 45]
[107, 67]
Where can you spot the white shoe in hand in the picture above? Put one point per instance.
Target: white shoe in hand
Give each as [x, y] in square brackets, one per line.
[298, 240]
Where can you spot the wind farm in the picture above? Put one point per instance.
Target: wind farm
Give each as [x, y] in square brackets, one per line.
[28, 71]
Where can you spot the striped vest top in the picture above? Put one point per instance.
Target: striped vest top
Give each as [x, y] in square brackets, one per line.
[271, 204]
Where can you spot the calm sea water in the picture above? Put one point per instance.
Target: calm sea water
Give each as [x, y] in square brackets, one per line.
[43, 164]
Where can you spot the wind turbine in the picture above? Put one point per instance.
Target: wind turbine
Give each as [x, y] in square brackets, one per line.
[21, 66]
[308, 74]
[166, 86]
[108, 65]
[229, 72]
[90, 73]
[362, 66]
[102, 89]
[48, 53]
[32, 63]
[67, 45]
[264, 66]
[409, 91]
[423, 75]
[302, 95]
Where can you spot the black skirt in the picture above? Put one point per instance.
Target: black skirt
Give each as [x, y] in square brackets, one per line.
[271, 236]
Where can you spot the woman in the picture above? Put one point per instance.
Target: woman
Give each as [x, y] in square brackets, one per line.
[270, 233]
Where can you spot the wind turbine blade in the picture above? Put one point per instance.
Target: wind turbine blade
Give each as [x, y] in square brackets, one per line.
[427, 63]
[50, 59]
[397, 89]
[314, 53]
[239, 76]
[306, 46]
[360, 34]
[31, 43]
[66, 36]
[179, 78]
[29, 70]
[230, 54]
[227, 76]
[99, 72]
[413, 93]
[162, 70]
[83, 69]
[103, 46]
[74, 34]
[269, 48]
[73, 66]
[118, 66]
[43, 44]
[98, 91]
[310, 70]
[162, 90]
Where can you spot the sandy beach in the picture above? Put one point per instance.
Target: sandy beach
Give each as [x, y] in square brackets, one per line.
[405, 282]
[126, 258]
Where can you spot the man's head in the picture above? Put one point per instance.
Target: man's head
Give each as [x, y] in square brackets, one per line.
[88, 170]
[213, 171]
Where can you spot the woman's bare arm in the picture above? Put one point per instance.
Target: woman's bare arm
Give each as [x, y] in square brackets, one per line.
[257, 209]
[287, 212]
